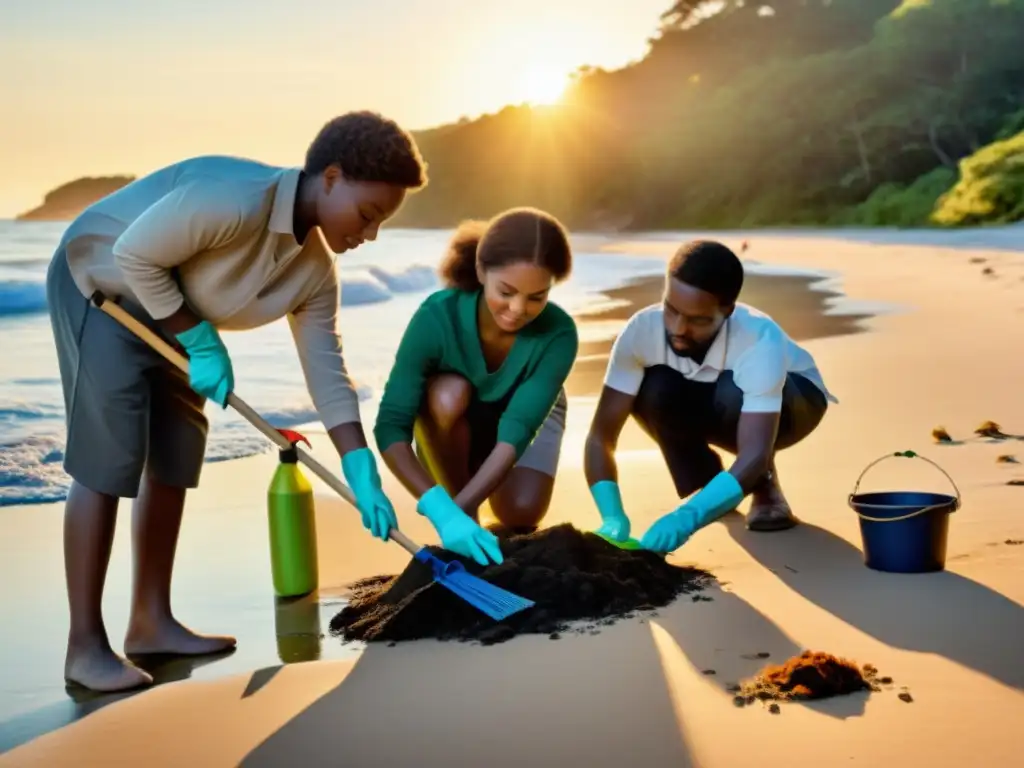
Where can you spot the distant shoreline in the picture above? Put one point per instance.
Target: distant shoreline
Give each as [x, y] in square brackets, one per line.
[68, 200]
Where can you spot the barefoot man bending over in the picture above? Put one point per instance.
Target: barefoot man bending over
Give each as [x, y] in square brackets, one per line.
[208, 244]
[700, 369]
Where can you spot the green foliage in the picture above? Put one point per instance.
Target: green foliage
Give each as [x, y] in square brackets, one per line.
[1013, 125]
[818, 111]
[991, 187]
[897, 205]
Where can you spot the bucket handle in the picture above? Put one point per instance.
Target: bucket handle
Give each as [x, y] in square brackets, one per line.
[908, 455]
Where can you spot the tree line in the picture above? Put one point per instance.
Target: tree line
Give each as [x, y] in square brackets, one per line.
[743, 114]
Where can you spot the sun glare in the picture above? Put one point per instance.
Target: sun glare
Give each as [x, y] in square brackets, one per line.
[543, 86]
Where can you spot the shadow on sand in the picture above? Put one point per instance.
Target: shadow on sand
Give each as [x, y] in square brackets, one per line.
[82, 702]
[591, 700]
[941, 613]
[552, 703]
[727, 635]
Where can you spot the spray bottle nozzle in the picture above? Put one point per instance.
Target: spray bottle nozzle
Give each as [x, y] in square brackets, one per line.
[294, 437]
[291, 455]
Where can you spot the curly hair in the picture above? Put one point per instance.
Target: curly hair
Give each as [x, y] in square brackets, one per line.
[709, 266]
[368, 147]
[515, 236]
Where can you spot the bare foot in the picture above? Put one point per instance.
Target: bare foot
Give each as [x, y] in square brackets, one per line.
[100, 669]
[169, 636]
[769, 510]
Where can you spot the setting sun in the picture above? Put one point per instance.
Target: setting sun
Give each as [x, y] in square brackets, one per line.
[543, 85]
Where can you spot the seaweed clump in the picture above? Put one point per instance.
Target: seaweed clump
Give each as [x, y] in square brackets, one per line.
[809, 676]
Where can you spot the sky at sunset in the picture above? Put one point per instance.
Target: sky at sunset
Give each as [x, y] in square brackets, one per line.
[94, 87]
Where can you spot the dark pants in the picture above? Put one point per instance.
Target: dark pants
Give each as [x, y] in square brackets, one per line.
[686, 417]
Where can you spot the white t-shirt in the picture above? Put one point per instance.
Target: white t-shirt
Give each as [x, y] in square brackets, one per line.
[751, 345]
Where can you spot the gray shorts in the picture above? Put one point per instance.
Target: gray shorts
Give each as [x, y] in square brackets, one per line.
[543, 453]
[126, 408]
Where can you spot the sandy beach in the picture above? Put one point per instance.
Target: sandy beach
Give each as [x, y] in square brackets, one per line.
[639, 692]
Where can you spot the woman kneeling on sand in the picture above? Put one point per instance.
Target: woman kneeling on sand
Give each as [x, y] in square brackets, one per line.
[478, 378]
[207, 244]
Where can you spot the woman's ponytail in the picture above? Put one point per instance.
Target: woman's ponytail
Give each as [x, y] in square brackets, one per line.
[458, 268]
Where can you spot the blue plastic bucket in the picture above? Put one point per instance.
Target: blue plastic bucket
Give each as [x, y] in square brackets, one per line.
[904, 531]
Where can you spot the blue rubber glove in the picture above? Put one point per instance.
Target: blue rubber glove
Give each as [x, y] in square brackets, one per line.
[360, 469]
[209, 367]
[614, 523]
[458, 531]
[716, 498]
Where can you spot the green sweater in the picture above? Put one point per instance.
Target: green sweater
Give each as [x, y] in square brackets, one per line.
[442, 337]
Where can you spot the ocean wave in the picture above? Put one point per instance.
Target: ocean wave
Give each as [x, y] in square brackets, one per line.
[371, 285]
[36, 264]
[32, 471]
[22, 297]
[24, 412]
[417, 277]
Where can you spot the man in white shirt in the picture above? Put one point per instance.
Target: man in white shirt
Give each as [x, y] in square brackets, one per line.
[700, 369]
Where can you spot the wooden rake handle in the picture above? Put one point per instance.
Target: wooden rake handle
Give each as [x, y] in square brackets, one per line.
[181, 362]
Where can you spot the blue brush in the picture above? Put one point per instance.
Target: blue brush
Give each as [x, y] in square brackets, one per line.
[494, 601]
